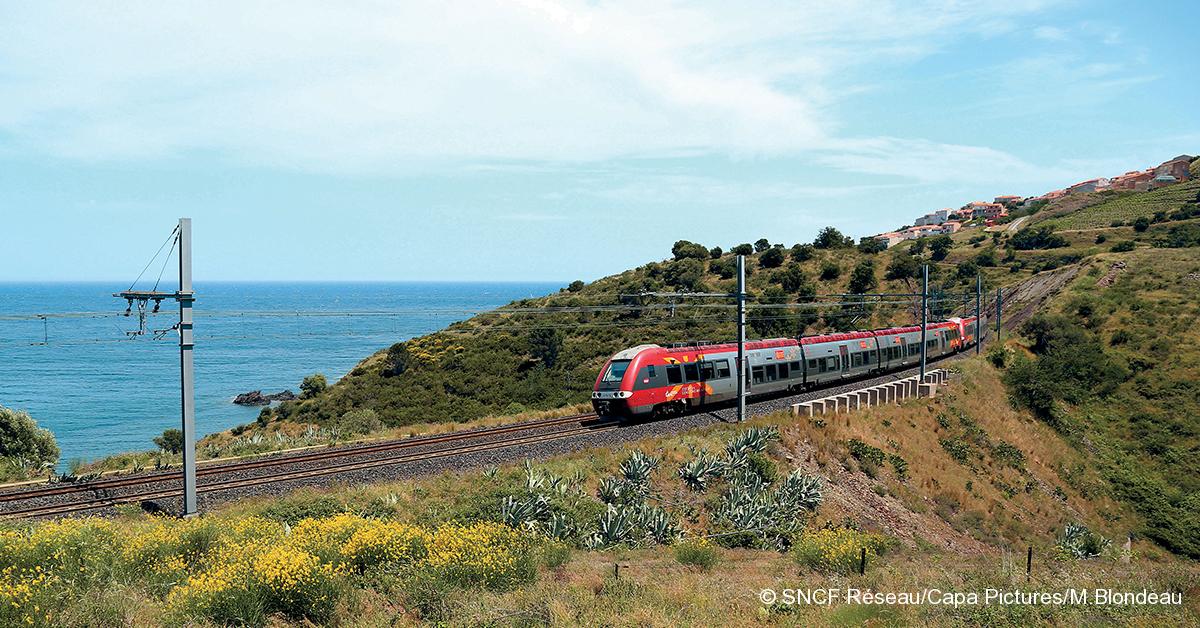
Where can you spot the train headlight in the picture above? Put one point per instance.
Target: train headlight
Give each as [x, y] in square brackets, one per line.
[623, 394]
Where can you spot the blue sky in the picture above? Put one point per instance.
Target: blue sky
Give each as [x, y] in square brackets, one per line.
[541, 140]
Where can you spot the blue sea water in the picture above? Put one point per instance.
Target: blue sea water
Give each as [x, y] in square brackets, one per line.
[102, 392]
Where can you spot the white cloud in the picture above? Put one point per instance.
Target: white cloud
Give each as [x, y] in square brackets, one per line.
[363, 87]
[1050, 33]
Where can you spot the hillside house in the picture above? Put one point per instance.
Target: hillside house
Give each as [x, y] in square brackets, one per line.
[1091, 185]
[934, 218]
[1008, 199]
[1177, 167]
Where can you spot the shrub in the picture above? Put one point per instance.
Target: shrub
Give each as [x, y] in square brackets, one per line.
[686, 274]
[312, 386]
[742, 249]
[697, 553]
[1037, 238]
[1101, 239]
[771, 258]
[837, 550]
[21, 438]
[575, 286]
[1077, 541]
[830, 270]
[362, 421]
[761, 244]
[1123, 247]
[1141, 224]
[684, 249]
[803, 252]
[715, 252]
[862, 278]
[171, 441]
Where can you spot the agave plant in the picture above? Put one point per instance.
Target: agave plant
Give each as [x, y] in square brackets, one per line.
[560, 527]
[1078, 541]
[658, 525]
[533, 478]
[525, 512]
[615, 526]
[617, 491]
[799, 491]
[491, 471]
[753, 440]
[636, 469]
[697, 472]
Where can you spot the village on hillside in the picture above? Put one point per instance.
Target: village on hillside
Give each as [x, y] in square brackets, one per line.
[984, 214]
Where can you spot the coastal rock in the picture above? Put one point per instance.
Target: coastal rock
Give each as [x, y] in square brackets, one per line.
[257, 398]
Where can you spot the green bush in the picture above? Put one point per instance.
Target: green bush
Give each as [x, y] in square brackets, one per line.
[830, 270]
[363, 421]
[22, 439]
[171, 440]
[1037, 238]
[696, 553]
[684, 249]
[771, 258]
[1123, 246]
[312, 386]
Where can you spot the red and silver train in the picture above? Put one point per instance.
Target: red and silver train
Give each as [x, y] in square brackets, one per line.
[649, 380]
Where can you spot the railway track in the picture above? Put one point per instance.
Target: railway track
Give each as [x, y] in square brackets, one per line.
[101, 493]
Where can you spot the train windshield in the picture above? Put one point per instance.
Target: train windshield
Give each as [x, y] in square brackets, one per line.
[615, 371]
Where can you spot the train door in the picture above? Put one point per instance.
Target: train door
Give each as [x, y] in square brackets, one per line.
[844, 353]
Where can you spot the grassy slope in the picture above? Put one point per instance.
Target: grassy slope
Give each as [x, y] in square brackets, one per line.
[1126, 206]
[959, 523]
[486, 365]
[1146, 436]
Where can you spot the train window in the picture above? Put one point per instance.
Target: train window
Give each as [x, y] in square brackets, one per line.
[757, 373]
[914, 348]
[692, 372]
[812, 365]
[650, 372]
[674, 374]
[722, 369]
[707, 371]
[856, 360]
[783, 370]
[797, 366]
[771, 373]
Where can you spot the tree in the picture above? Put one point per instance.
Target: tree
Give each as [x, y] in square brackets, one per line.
[986, 258]
[1038, 238]
[761, 245]
[545, 344]
[903, 268]
[1141, 224]
[715, 252]
[940, 246]
[862, 278]
[20, 437]
[871, 245]
[171, 441]
[792, 278]
[575, 286]
[968, 270]
[685, 273]
[771, 258]
[742, 249]
[684, 249]
[803, 252]
[830, 270]
[829, 238]
[312, 386]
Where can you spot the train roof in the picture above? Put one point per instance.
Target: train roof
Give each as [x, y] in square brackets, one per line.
[849, 335]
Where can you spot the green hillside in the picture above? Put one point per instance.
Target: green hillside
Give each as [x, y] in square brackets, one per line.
[545, 352]
[1128, 206]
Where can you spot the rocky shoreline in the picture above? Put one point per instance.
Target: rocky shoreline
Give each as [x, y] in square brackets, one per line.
[257, 398]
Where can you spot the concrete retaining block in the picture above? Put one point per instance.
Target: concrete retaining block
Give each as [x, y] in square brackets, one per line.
[927, 390]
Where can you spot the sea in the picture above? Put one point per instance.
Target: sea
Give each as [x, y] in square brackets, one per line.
[105, 383]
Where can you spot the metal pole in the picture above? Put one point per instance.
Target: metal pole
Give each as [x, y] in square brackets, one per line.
[741, 342]
[978, 313]
[186, 367]
[999, 301]
[924, 316]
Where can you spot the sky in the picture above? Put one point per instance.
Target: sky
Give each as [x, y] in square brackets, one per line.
[535, 140]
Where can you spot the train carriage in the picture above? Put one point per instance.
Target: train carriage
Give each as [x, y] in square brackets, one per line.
[651, 380]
